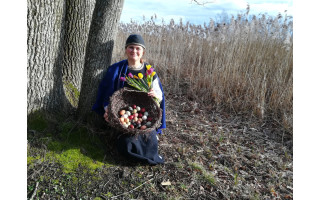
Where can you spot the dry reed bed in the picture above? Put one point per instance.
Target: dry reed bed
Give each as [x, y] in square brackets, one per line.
[244, 66]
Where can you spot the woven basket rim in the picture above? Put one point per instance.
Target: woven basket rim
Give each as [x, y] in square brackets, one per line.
[117, 103]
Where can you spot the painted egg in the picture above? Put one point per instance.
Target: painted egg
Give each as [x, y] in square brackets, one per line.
[122, 112]
[140, 115]
[149, 119]
[134, 111]
[130, 108]
[128, 123]
[146, 113]
[125, 116]
[121, 119]
[134, 106]
[131, 126]
[126, 120]
[135, 119]
[143, 127]
[128, 113]
[148, 124]
[131, 117]
[125, 125]
[143, 110]
[136, 114]
[138, 108]
[144, 117]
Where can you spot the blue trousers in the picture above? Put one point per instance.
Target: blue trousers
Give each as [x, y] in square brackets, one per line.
[142, 148]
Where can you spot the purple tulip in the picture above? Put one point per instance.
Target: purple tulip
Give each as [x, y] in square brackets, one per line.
[122, 78]
[130, 75]
[150, 71]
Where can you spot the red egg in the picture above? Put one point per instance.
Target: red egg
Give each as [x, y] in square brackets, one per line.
[134, 106]
[143, 110]
[143, 127]
[149, 119]
[140, 115]
[131, 126]
[131, 117]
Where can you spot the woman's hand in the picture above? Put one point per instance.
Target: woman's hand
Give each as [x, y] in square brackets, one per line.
[152, 93]
[106, 115]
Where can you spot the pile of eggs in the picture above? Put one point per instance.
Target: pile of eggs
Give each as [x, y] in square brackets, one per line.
[135, 117]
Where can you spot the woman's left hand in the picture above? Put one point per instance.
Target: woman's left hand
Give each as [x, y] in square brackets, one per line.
[151, 93]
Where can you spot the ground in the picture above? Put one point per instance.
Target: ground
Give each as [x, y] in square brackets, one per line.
[209, 155]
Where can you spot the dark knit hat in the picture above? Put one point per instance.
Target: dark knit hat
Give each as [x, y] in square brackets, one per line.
[135, 39]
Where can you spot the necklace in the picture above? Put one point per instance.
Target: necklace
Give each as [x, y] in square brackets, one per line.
[136, 68]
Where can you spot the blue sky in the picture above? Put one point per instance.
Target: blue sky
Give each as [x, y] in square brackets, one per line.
[197, 14]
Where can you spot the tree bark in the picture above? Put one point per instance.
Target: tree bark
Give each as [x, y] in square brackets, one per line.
[45, 35]
[103, 29]
[78, 19]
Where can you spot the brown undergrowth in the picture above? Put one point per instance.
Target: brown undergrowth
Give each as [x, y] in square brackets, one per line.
[209, 155]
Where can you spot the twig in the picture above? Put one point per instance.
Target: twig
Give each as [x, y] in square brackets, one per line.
[35, 191]
[132, 189]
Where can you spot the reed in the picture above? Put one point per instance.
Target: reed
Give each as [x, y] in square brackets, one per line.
[243, 66]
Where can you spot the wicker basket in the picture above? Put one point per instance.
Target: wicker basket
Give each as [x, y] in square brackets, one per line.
[124, 98]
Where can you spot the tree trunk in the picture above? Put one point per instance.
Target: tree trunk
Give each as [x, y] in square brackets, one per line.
[45, 35]
[98, 51]
[78, 19]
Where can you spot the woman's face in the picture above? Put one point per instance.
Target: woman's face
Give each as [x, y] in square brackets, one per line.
[134, 52]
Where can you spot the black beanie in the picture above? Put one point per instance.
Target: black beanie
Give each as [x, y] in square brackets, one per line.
[135, 39]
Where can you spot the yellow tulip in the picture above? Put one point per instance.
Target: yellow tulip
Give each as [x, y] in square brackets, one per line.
[134, 76]
[148, 67]
[140, 75]
[149, 84]
[153, 73]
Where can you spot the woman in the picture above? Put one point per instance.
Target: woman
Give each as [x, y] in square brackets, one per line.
[143, 148]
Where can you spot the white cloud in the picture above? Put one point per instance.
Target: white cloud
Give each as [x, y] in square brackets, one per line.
[176, 9]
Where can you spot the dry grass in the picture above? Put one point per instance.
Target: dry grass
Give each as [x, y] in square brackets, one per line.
[244, 66]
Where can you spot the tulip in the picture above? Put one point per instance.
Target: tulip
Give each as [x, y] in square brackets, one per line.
[122, 78]
[148, 67]
[153, 73]
[130, 75]
[150, 71]
[140, 75]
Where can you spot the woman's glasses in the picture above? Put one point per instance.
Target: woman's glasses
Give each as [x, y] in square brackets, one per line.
[132, 48]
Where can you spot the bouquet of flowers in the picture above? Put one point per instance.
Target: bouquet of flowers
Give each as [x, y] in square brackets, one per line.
[140, 82]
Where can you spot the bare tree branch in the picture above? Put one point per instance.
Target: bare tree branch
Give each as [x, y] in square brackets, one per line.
[202, 2]
[35, 191]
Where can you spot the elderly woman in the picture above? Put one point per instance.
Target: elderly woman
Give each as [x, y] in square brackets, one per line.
[143, 148]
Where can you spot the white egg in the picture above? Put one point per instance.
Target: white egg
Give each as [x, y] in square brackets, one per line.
[128, 113]
[144, 117]
[130, 108]
[148, 124]
[138, 108]
[146, 113]
[125, 116]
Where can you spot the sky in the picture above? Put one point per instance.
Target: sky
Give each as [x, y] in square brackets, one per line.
[198, 14]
